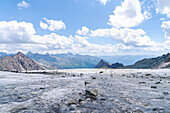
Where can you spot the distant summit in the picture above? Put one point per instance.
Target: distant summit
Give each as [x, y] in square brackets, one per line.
[158, 62]
[19, 62]
[103, 64]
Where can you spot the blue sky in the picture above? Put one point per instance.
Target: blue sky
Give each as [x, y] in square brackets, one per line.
[93, 27]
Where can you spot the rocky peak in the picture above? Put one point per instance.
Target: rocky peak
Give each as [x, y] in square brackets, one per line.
[102, 63]
[19, 62]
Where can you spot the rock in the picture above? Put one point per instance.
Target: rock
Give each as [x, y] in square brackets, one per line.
[73, 107]
[88, 99]
[91, 93]
[148, 74]
[71, 103]
[81, 99]
[93, 77]
[142, 82]
[157, 82]
[154, 87]
[41, 88]
[145, 104]
[101, 72]
[102, 98]
[33, 93]
[165, 93]
[85, 83]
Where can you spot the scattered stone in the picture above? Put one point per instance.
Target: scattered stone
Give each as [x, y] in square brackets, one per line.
[85, 83]
[102, 98]
[71, 103]
[93, 77]
[91, 93]
[154, 87]
[148, 74]
[101, 72]
[165, 93]
[142, 82]
[145, 104]
[157, 82]
[73, 107]
[33, 93]
[41, 88]
[88, 99]
[81, 99]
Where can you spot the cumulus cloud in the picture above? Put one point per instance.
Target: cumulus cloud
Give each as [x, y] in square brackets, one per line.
[163, 7]
[127, 15]
[43, 25]
[127, 36]
[103, 2]
[166, 29]
[22, 5]
[84, 31]
[16, 32]
[21, 36]
[53, 25]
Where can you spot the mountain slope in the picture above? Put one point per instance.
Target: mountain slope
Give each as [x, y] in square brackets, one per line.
[103, 64]
[158, 62]
[64, 61]
[18, 62]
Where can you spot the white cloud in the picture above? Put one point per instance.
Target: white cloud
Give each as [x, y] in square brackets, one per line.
[53, 39]
[127, 15]
[84, 31]
[103, 2]
[127, 36]
[43, 25]
[53, 25]
[22, 5]
[16, 32]
[163, 7]
[21, 36]
[166, 29]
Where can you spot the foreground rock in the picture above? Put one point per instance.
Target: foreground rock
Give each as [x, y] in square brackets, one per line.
[18, 62]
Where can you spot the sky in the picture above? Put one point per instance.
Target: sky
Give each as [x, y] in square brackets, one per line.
[87, 27]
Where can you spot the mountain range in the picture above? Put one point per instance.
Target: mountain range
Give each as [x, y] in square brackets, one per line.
[149, 63]
[18, 63]
[64, 61]
[35, 61]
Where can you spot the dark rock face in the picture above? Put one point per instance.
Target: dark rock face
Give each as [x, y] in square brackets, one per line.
[116, 65]
[18, 62]
[102, 64]
[158, 62]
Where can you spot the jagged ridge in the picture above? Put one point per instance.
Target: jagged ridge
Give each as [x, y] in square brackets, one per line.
[19, 62]
[158, 62]
[102, 64]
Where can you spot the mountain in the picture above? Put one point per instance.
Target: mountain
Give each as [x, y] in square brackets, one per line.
[158, 62]
[64, 61]
[125, 59]
[18, 62]
[103, 64]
